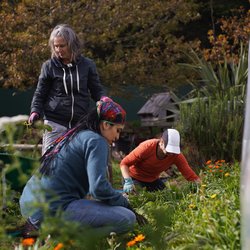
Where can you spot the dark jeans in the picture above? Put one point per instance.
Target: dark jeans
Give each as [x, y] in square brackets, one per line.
[101, 216]
[151, 186]
[98, 215]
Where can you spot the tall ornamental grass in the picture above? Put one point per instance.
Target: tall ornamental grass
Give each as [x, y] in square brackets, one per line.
[213, 116]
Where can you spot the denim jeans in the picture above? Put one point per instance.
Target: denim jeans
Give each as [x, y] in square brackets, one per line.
[103, 217]
[50, 136]
[90, 213]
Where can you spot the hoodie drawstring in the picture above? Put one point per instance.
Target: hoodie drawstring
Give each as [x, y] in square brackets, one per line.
[64, 81]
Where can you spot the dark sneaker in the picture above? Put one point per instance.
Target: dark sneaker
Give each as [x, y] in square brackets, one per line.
[29, 230]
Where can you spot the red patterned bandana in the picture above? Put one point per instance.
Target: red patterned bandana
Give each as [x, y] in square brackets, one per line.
[110, 111]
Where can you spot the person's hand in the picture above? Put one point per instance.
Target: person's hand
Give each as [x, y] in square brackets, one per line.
[33, 117]
[141, 220]
[198, 181]
[128, 186]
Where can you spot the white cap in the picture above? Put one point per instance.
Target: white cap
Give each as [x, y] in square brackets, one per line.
[171, 138]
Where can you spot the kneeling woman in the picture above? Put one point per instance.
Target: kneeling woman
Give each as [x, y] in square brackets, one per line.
[75, 166]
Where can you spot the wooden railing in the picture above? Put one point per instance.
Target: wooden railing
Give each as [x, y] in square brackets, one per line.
[22, 146]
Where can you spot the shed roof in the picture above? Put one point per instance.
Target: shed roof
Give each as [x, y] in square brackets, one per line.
[157, 102]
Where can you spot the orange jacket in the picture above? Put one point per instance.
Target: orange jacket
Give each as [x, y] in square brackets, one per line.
[145, 166]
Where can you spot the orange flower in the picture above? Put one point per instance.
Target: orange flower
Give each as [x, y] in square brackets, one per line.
[210, 166]
[58, 246]
[210, 170]
[208, 162]
[28, 242]
[217, 166]
[220, 161]
[139, 237]
[131, 243]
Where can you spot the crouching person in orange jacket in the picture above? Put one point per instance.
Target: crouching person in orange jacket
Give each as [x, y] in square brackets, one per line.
[145, 163]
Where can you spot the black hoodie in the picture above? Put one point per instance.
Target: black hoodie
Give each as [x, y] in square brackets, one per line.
[63, 91]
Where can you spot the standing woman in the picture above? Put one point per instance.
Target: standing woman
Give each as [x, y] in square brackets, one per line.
[65, 86]
[75, 167]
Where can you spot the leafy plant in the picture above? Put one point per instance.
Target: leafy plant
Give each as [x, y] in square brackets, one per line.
[212, 118]
[182, 216]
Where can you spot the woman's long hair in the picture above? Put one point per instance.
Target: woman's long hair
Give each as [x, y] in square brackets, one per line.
[91, 121]
[71, 38]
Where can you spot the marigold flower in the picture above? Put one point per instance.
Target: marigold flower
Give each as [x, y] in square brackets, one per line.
[220, 161]
[213, 196]
[210, 166]
[210, 170]
[217, 166]
[208, 162]
[139, 237]
[58, 246]
[210, 32]
[221, 170]
[227, 174]
[131, 243]
[191, 206]
[28, 242]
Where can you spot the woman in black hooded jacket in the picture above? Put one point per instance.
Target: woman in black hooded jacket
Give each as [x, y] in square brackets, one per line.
[66, 84]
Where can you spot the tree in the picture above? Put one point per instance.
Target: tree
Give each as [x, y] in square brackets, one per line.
[132, 42]
[226, 41]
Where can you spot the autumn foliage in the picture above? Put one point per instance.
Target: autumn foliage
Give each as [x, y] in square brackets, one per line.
[233, 32]
[131, 41]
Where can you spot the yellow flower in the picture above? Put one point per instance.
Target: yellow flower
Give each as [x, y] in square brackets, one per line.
[139, 237]
[58, 246]
[131, 243]
[191, 206]
[210, 32]
[227, 174]
[213, 196]
[28, 242]
[203, 185]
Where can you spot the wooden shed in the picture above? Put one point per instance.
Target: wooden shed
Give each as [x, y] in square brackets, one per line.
[161, 110]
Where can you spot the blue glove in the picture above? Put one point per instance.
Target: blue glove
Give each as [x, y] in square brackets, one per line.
[128, 186]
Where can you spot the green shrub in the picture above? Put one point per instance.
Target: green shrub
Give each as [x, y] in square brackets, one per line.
[213, 118]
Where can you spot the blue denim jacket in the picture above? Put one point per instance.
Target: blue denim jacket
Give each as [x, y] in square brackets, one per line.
[79, 169]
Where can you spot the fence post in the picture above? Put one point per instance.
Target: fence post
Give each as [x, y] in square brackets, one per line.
[245, 171]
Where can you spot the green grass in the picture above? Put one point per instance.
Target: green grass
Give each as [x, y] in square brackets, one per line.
[183, 216]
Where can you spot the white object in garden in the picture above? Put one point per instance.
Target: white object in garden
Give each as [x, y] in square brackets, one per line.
[245, 171]
[14, 119]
